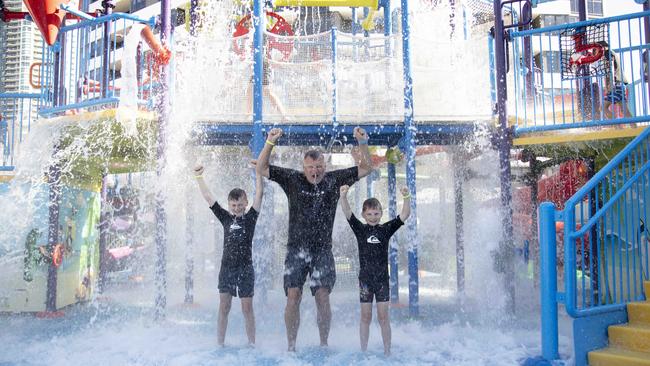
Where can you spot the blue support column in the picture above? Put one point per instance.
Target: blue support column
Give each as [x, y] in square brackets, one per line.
[387, 28]
[548, 281]
[394, 245]
[459, 179]
[410, 130]
[503, 142]
[103, 232]
[189, 206]
[160, 214]
[258, 65]
[54, 185]
[108, 6]
[189, 249]
[334, 95]
[370, 187]
[257, 142]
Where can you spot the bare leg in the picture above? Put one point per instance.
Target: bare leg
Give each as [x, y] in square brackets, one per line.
[607, 109]
[364, 326]
[292, 316]
[249, 317]
[384, 322]
[225, 301]
[323, 314]
[275, 102]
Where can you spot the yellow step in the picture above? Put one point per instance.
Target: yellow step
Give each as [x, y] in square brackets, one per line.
[634, 337]
[639, 312]
[611, 356]
[646, 289]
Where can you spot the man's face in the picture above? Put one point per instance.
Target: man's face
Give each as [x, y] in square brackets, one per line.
[372, 216]
[238, 207]
[314, 169]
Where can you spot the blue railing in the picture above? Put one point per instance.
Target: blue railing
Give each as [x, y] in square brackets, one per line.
[584, 74]
[605, 241]
[82, 69]
[18, 111]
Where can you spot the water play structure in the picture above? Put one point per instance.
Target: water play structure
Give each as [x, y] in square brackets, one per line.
[477, 106]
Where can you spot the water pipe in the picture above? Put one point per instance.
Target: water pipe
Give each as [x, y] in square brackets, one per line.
[410, 130]
[393, 249]
[503, 142]
[160, 213]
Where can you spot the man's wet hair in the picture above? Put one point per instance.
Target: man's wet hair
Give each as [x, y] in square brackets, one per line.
[371, 203]
[314, 154]
[236, 194]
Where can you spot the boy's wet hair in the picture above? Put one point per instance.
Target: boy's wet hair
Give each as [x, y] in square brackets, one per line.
[371, 203]
[314, 154]
[236, 194]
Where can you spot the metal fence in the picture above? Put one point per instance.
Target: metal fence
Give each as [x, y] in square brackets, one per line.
[86, 66]
[17, 114]
[585, 74]
[604, 235]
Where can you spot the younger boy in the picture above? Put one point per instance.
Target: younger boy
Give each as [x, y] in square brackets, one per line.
[236, 275]
[373, 239]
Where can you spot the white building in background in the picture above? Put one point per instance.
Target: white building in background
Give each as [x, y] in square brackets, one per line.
[21, 44]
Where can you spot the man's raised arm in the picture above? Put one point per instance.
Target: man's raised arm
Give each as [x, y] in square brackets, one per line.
[365, 162]
[262, 165]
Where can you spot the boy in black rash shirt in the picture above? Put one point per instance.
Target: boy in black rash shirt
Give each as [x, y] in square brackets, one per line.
[236, 273]
[372, 239]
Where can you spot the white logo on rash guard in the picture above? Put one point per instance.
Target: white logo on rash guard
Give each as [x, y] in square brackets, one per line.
[234, 226]
[373, 240]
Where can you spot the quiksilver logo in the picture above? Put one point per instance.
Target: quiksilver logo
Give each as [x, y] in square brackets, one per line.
[373, 240]
[234, 226]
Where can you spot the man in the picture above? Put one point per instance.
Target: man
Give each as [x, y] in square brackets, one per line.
[313, 195]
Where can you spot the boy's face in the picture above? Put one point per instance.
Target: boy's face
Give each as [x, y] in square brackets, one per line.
[314, 169]
[372, 216]
[238, 207]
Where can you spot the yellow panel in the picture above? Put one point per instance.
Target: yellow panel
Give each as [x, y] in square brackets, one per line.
[5, 177]
[96, 115]
[581, 135]
[347, 3]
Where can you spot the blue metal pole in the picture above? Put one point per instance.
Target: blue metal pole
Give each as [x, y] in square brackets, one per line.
[194, 16]
[334, 95]
[503, 143]
[161, 215]
[54, 185]
[257, 142]
[189, 206]
[387, 27]
[548, 280]
[103, 232]
[393, 251]
[258, 66]
[493, 88]
[370, 187]
[366, 12]
[189, 250]
[459, 176]
[409, 136]
[108, 6]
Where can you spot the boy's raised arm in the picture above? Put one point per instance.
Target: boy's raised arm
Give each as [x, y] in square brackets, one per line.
[259, 192]
[205, 191]
[406, 206]
[345, 205]
[262, 164]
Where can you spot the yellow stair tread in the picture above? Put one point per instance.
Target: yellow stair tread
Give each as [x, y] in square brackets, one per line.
[613, 356]
[632, 326]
